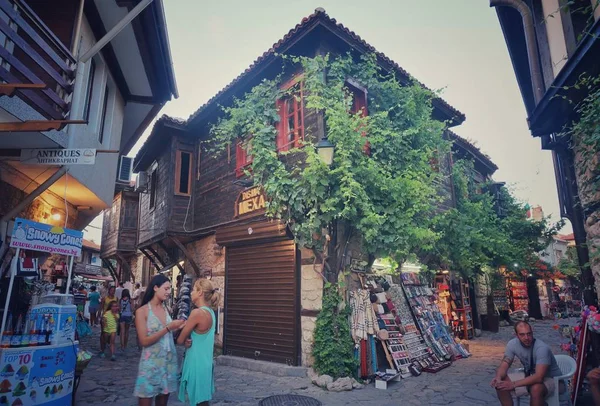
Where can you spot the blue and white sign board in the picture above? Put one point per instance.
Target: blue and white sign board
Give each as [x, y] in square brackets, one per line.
[31, 235]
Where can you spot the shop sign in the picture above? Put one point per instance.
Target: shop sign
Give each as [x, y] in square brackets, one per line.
[37, 376]
[88, 269]
[58, 156]
[250, 201]
[31, 235]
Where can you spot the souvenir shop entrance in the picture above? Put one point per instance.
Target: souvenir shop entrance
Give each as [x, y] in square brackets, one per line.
[262, 299]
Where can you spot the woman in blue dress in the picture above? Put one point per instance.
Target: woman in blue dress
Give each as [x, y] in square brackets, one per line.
[197, 384]
[157, 374]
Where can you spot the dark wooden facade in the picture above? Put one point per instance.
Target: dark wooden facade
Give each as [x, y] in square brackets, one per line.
[120, 225]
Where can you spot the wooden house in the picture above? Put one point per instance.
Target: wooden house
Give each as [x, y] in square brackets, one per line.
[197, 212]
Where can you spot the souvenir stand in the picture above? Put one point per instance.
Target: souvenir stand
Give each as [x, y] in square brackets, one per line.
[461, 311]
[519, 299]
[423, 301]
[39, 352]
[399, 331]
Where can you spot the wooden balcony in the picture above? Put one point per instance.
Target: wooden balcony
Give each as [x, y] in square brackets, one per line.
[30, 53]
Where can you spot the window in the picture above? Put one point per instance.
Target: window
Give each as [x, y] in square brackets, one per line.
[88, 94]
[153, 185]
[290, 130]
[183, 173]
[103, 116]
[130, 214]
[359, 106]
[243, 155]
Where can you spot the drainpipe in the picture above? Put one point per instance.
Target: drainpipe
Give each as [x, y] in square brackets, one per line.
[530, 40]
[24, 203]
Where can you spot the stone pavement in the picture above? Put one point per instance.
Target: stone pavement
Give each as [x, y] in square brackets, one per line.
[466, 382]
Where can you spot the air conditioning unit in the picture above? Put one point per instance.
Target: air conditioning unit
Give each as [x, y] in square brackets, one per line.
[125, 169]
[141, 182]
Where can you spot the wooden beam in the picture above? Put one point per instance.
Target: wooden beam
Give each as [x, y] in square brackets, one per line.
[151, 258]
[38, 125]
[187, 255]
[110, 268]
[125, 264]
[158, 257]
[9, 89]
[134, 98]
[168, 266]
[162, 245]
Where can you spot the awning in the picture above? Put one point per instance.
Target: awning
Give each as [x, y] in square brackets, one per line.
[94, 277]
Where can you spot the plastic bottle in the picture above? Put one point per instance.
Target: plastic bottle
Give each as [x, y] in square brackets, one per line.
[8, 332]
[40, 330]
[25, 337]
[33, 332]
[15, 340]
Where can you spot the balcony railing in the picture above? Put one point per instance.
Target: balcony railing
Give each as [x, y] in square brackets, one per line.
[30, 53]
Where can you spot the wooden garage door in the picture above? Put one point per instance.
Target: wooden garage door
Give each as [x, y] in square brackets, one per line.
[261, 311]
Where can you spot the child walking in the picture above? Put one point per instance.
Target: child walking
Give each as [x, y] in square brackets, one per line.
[109, 329]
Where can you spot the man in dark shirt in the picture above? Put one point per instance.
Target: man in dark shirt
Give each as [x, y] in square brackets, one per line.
[540, 368]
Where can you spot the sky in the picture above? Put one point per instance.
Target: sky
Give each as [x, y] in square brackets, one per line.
[456, 46]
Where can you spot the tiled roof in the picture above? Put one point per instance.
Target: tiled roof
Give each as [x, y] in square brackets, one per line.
[280, 46]
[478, 153]
[91, 245]
[164, 119]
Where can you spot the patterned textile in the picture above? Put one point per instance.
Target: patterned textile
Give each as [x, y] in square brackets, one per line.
[158, 368]
[364, 369]
[363, 317]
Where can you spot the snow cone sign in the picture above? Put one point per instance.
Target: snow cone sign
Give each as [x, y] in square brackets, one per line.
[31, 235]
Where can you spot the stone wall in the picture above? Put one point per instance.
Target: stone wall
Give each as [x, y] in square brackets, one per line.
[311, 300]
[210, 257]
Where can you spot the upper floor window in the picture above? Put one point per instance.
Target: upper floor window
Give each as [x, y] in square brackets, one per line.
[359, 106]
[183, 173]
[130, 214]
[290, 131]
[153, 185]
[243, 155]
[88, 94]
[103, 115]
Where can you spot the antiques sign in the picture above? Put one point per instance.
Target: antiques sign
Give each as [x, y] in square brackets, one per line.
[250, 201]
[57, 156]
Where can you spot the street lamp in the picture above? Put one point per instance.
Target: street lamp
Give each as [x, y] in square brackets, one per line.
[325, 151]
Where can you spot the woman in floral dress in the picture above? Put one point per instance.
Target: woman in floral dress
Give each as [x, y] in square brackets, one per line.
[157, 374]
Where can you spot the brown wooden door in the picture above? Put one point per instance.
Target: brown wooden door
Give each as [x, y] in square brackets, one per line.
[261, 302]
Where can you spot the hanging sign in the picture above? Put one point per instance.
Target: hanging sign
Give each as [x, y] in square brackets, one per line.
[57, 156]
[31, 235]
[250, 201]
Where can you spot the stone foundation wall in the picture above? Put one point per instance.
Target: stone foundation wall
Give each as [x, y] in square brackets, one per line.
[311, 300]
[210, 257]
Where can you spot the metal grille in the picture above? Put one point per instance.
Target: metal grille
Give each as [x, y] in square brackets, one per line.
[289, 400]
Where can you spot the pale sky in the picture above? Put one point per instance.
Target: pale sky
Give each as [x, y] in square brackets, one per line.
[452, 45]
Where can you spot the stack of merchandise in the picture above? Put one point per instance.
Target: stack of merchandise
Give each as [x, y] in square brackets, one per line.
[184, 301]
[520, 298]
[431, 322]
[364, 327]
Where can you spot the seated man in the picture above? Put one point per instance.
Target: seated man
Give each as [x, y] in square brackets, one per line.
[540, 367]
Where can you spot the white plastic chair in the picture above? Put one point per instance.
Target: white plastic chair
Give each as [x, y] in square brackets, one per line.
[567, 367]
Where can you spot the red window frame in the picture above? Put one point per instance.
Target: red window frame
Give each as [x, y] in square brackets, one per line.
[291, 111]
[242, 158]
[359, 105]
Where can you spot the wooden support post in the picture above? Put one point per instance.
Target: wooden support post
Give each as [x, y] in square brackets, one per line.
[123, 262]
[151, 258]
[158, 257]
[110, 268]
[187, 255]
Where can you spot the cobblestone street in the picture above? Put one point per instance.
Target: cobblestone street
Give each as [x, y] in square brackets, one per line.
[466, 382]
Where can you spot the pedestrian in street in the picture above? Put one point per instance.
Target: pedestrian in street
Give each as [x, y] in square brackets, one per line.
[137, 296]
[197, 385]
[119, 291]
[126, 317]
[94, 298]
[158, 369]
[540, 369]
[105, 307]
[109, 329]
